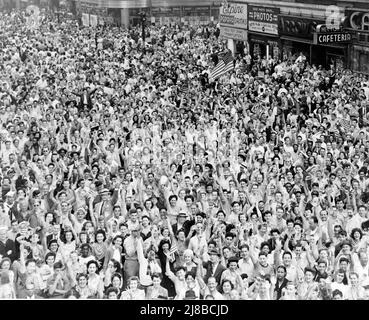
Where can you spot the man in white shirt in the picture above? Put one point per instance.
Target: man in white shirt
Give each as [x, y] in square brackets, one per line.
[245, 264]
[198, 242]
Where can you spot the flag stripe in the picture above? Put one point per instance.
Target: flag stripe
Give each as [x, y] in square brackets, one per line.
[173, 249]
[217, 71]
[224, 65]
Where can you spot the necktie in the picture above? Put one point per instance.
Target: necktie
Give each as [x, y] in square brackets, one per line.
[102, 208]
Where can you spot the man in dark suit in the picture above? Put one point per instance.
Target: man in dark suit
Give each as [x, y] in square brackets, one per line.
[55, 235]
[7, 246]
[182, 223]
[85, 101]
[213, 267]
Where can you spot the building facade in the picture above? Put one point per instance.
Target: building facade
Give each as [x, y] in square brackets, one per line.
[326, 32]
[268, 28]
[127, 12]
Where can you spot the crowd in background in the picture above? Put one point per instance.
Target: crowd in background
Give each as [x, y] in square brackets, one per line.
[128, 173]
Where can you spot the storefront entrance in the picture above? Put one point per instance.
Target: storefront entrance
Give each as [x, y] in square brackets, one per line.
[329, 55]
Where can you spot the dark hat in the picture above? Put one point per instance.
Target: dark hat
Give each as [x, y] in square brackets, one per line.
[346, 242]
[58, 265]
[62, 150]
[365, 224]
[190, 295]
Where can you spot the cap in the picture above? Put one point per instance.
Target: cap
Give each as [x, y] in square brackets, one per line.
[182, 214]
[62, 150]
[81, 209]
[214, 252]
[10, 194]
[346, 242]
[23, 224]
[104, 190]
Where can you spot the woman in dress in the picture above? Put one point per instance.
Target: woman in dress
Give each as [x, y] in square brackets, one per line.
[5, 266]
[226, 288]
[189, 264]
[233, 274]
[156, 291]
[95, 282]
[6, 287]
[114, 281]
[132, 292]
[67, 245]
[100, 247]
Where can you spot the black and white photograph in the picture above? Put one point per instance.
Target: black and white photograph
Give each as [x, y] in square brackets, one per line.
[184, 150]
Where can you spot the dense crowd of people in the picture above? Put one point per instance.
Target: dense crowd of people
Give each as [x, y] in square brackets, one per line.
[128, 173]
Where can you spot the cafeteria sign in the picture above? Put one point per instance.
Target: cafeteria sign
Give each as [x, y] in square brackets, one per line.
[263, 19]
[332, 37]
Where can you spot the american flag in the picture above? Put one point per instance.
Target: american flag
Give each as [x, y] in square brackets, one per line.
[173, 249]
[346, 124]
[224, 65]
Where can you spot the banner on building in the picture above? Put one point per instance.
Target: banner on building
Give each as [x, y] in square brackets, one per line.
[93, 20]
[263, 19]
[85, 19]
[233, 33]
[233, 15]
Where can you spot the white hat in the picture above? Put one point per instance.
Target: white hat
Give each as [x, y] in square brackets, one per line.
[10, 194]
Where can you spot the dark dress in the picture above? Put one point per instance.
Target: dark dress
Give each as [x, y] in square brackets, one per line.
[166, 282]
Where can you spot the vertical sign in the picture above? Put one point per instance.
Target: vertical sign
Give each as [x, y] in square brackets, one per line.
[233, 20]
[85, 19]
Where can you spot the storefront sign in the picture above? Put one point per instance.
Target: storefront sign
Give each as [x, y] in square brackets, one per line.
[232, 33]
[233, 15]
[358, 20]
[332, 37]
[263, 19]
[298, 27]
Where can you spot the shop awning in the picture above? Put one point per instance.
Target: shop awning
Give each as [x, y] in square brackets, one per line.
[295, 39]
